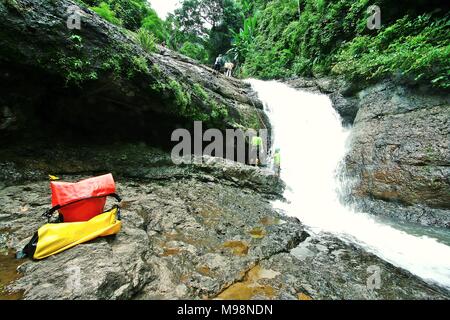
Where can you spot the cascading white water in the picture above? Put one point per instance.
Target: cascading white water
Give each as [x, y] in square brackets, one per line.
[312, 140]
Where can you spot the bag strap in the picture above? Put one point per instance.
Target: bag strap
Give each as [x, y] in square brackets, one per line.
[48, 214]
[29, 249]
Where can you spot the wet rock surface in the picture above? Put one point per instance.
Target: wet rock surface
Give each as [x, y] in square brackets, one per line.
[319, 268]
[182, 238]
[399, 152]
[195, 235]
[131, 161]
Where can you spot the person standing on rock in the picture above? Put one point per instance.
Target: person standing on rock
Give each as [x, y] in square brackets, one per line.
[277, 162]
[257, 148]
[229, 66]
[218, 65]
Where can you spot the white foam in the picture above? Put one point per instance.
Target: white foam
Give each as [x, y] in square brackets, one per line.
[313, 143]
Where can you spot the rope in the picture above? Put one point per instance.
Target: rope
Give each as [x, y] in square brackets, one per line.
[259, 116]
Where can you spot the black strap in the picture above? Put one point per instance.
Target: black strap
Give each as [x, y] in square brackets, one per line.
[29, 249]
[49, 213]
[119, 213]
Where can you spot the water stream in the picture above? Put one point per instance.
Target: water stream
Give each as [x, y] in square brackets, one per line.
[313, 143]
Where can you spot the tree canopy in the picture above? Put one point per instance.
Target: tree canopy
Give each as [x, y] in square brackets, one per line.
[209, 24]
[285, 38]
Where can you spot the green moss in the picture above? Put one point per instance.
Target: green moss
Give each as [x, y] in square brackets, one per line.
[214, 112]
[75, 70]
[156, 70]
[211, 111]
[77, 42]
[173, 88]
[218, 111]
[431, 154]
[76, 38]
[139, 65]
[182, 97]
[200, 92]
[119, 62]
[112, 64]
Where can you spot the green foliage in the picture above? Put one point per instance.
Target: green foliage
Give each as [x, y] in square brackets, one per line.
[156, 69]
[203, 108]
[200, 92]
[112, 64]
[130, 13]
[104, 11]
[195, 51]
[133, 15]
[284, 38]
[242, 41]
[153, 24]
[76, 38]
[139, 65]
[219, 112]
[422, 53]
[75, 70]
[173, 87]
[207, 23]
[77, 42]
[146, 40]
[182, 97]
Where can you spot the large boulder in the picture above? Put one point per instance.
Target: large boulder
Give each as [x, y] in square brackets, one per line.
[399, 151]
[99, 80]
[130, 161]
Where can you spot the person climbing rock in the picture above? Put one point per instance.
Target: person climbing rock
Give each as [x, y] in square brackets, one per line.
[277, 162]
[218, 65]
[257, 148]
[229, 66]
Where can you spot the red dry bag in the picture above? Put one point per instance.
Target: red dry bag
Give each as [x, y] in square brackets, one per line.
[81, 201]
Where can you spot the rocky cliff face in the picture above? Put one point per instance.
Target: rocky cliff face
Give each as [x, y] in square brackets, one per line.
[399, 157]
[400, 151]
[190, 231]
[57, 81]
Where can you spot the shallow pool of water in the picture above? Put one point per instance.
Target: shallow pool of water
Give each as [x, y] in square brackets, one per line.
[8, 274]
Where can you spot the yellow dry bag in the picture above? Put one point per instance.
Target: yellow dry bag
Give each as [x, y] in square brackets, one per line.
[53, 238]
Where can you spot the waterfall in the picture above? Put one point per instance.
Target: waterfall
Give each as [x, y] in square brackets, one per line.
[313, 143]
